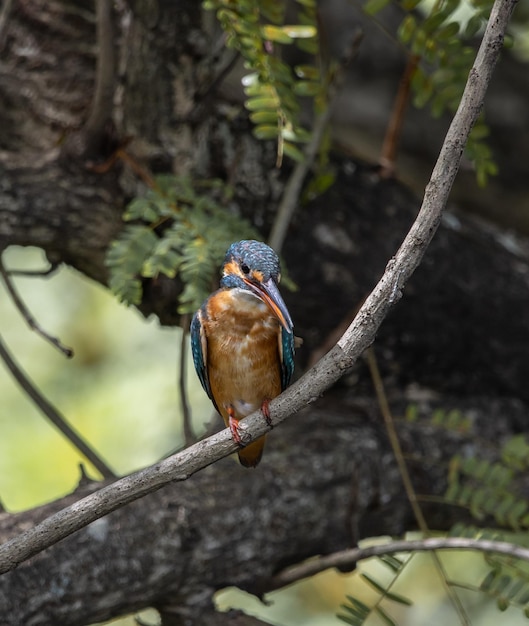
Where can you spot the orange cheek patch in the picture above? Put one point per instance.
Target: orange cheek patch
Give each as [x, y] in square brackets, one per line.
[257, 275]
[232, 268]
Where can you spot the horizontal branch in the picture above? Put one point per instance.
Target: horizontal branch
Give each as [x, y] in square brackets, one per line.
[349, 558]
[331, 367]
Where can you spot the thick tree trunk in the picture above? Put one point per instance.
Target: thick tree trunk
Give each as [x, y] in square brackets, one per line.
[455, 341]
[328, 478]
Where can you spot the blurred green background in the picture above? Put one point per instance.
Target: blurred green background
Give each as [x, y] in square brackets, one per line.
[120, 392]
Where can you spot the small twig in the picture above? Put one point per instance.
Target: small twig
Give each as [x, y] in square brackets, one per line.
[394, 128]
[28, 317]
[53, 415]
[293, 187]
[103, 99]
[138, 169]
[189, 433]
[349, 558]
[394, 439]
[405, 475]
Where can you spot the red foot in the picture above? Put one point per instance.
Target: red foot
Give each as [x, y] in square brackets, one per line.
[233, 423]
[265, 410]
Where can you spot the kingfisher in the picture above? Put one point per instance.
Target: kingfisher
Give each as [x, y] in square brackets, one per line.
[242, 340]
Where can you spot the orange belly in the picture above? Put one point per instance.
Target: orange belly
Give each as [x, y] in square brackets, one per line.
[243, 366]
[245, 375]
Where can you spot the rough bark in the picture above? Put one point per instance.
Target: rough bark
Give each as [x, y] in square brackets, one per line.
[327, 479]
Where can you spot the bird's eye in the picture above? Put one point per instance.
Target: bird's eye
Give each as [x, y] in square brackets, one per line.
[245, 269]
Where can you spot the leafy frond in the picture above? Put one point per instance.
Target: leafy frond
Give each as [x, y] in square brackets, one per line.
[507, 580]
[489, 488]
[181, 229]
[126, 257]
[441, 45]
[257, 30]
[356, 612]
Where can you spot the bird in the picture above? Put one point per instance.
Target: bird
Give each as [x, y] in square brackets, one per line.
[242, 340]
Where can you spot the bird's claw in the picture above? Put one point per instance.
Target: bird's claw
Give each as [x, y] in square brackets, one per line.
[235, 428]
[265, 410]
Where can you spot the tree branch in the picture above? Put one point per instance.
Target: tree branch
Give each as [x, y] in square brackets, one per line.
[51, 413]
[349, 558]
[331, 367]
[28, 317]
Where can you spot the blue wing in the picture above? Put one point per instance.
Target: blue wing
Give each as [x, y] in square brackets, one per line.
[199, 348]
[287, 357]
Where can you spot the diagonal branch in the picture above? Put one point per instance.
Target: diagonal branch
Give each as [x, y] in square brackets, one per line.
[332, 366]
[51, 413]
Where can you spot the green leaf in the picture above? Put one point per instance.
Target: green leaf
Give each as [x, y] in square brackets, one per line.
[515, 452]
[264, 117]
[260, 104]
[385, 617]
[432, 23]
[131, 249]
[474, 25]
[298, 31]
[293, 152]
[263, 90]
[352, 620]
[140, 208]
[487, 582]
[127, 290]
[392, 562]
[357, 607]
[449, 31]
[477, 502]
[422, 86]
[164, 260]
[516, 514]
[500, 583]
[310, 46]
[307, 88]
[407, 29]
[266, 132]
[307, 72]
[412, 413]
[275, 33]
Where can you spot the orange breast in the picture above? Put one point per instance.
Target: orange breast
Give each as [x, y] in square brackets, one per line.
[243, 353]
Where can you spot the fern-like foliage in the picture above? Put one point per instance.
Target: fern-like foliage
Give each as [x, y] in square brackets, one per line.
[179, 228]
[435, 37]
[355, 612]
[507, 580]
[440, 45]
[452, 419]
[257, 29]
[489, 488]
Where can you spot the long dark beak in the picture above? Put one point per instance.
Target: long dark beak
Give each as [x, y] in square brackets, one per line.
[269, 292]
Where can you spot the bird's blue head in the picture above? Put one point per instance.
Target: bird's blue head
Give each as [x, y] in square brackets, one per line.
[254, 266]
